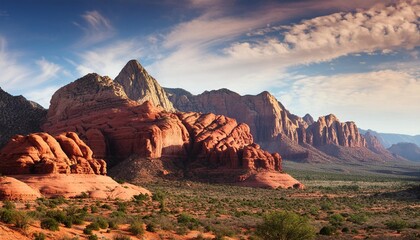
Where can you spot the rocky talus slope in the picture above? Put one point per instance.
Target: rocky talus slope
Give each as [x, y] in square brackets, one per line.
[18, 116]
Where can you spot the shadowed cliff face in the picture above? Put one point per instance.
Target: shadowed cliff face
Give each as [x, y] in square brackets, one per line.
[18, 116]
[116, 127]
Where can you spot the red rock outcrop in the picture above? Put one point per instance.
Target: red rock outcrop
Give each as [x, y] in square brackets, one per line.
[329, 130]
[40, 153]
[117, 127]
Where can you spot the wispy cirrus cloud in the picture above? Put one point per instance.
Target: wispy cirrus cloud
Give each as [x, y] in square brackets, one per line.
[108, 60]
[27, 78]
[96, 28]
[201, 59]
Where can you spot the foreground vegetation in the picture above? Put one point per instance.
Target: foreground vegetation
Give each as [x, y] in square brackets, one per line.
[327, 209]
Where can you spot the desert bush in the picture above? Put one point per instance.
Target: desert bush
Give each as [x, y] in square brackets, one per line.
[50, 224]
[106, 206]
[93, 237]
[188, 221]
[396, 224]
[121, 237]
[102, 222]
[7, 215]
[136, 228]
[358, 218]
[39, 236]
[336, 219]
[9, 205]
[21, 220]
[327, 230]
[284, 225]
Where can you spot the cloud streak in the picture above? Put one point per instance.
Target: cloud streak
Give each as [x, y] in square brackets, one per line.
[96, 28]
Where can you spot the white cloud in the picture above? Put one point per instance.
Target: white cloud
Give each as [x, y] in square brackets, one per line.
[27, 79]
[110, 59]
[4, 13]
[41, 95]
[386, 100]
[97, 28]
[197, 62]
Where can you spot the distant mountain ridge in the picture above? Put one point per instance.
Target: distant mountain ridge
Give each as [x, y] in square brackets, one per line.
[388, 139]
[276, 129]
[407, 150]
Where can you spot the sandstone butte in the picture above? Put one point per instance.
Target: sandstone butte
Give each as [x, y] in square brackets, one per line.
[41, 165]
[117, 127]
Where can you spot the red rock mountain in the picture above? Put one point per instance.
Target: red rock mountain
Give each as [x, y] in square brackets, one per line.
[117, 127]
[276, 129]
[40, 153]
[18, 116]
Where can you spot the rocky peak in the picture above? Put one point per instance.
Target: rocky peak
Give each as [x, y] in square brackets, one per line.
[86, 94]
[329, 130]
[308, 119]
[140, 86]
[18, 116]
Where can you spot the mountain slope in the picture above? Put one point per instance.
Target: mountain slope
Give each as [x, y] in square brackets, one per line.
[409, 151]
[18, 116]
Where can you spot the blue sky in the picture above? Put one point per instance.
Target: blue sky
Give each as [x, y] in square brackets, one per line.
[357, 59]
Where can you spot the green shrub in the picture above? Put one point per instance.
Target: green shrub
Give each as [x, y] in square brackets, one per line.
[7, 215]
[327, 230]
[39, 236]
[336, 219]
[121, 237]
[50, 224]
[345, 230]
[93, 226]
[106, 206]
[188, 221]
[358, 218]
[58, 215]
[21, 220]
[136, 228]
[93, 209]
[396, 224]
[103, 223]
[93, 237]
[9, 205]
[285, 225]
[151, 227]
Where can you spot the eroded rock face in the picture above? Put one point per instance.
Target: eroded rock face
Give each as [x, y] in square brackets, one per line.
[18, 116]
[329, 130]
[40, 153]
[373, 143]
[140, 86]
[120, 127]
[266, 117]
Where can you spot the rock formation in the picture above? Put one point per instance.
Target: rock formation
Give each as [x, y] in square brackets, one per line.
[116, 127]
[18, 116]
[329, 130]
[40, 165]
[277, 130]
[40, 153]
[408, 151]
[140, 86]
